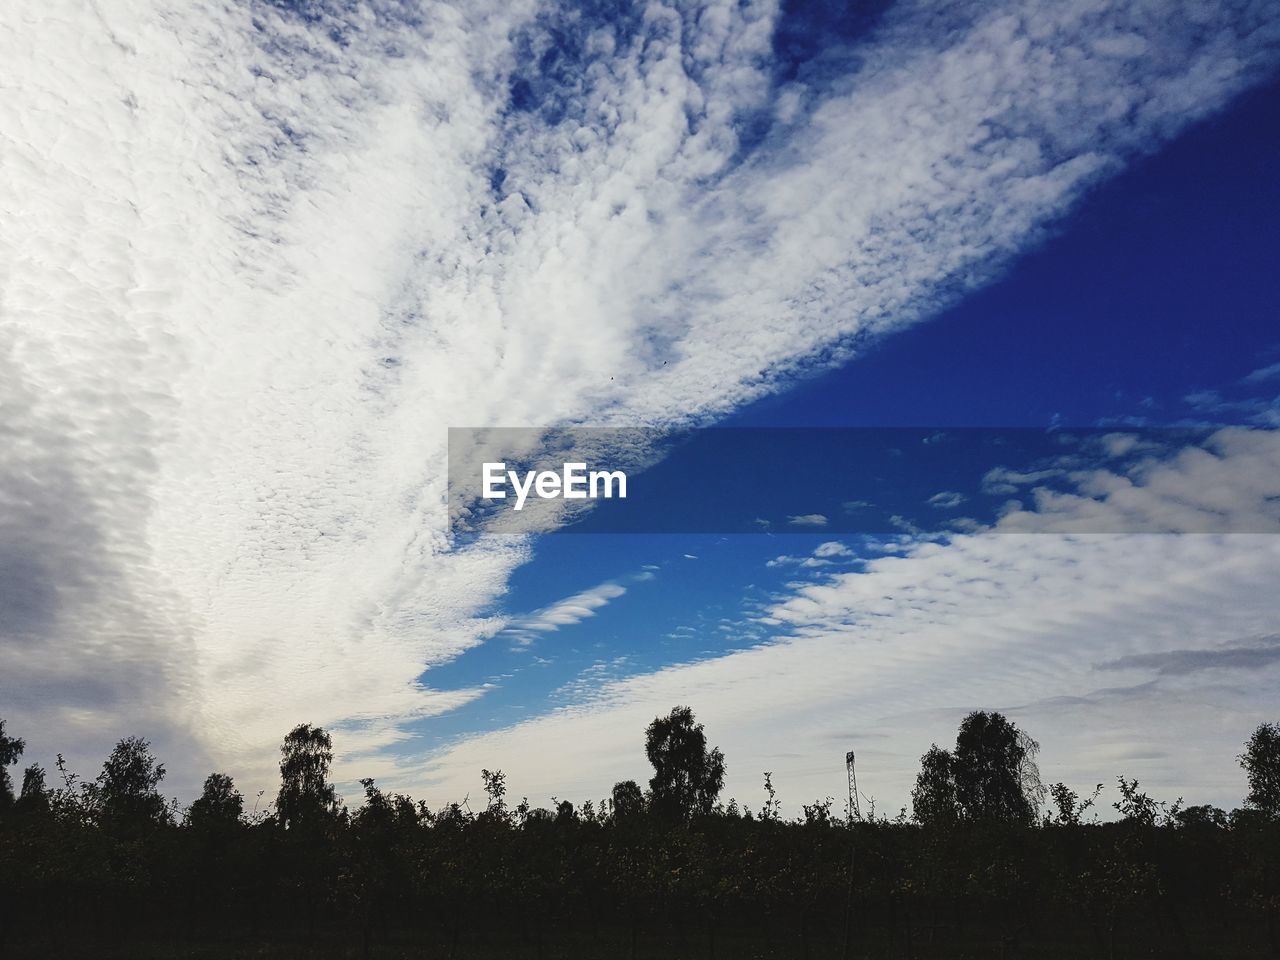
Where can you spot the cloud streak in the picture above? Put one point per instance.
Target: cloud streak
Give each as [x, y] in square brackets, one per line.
[887, 658]
[567, 612]
[1236, 656]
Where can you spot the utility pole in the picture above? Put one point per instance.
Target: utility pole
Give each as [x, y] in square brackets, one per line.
[855, 813]
[855, 810]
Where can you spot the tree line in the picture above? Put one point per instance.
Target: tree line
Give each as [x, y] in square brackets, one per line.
[989, 861]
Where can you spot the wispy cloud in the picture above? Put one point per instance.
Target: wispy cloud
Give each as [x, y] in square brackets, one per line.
[824, 555]
[1232, 656]
[887, 659]
[807, 520]
[564, 613]
[832, 548]
[1229, 483]
[1264, 374]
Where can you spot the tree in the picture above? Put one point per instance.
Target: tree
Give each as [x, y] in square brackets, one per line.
[687, 777]
[495, 788]
[628, 800]
[1142, 809]
[991, 775]
[933, 800]
[306, 796]
[10, 750]
[565, 812]
[35, 795]
[1070, 808]
[995, 772]
[219, 805]
[1261, 762]
[1202, 816]
[128, 793]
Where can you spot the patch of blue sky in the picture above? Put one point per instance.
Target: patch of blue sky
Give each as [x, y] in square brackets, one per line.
[1153, 303]
[1160, 285]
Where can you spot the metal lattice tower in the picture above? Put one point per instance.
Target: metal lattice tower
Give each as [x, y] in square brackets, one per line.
[855, 811]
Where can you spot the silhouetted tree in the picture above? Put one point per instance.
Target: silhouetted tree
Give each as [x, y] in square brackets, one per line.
[1142, 809]
[219, 805]
[127, 791]
[1202, 816]
[772, 805]
[306, 796]
[818, 813]
[10, 750]
[1261, 762]
[994, 770]
[395, 878]
[933, 801]
[565, 812]
[383, 811]
[495, 788]
[687, 777]
[991, 775]
[35, 795]
[1069, 806]
[628, 800]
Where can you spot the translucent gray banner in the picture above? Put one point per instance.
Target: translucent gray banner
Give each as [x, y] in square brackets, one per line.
[914, 481]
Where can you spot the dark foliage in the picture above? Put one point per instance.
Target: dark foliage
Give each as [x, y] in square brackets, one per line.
[1261, 761]
[127, 796]
[219, 806]
[627, 799]
[103, 869]
[991, 775]
[306, 800]
[10, 750]
[687, 777]
[933, 801]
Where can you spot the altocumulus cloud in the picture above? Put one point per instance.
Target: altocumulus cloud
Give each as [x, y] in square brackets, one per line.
[1083, 638]
[524, 630]
[255, 262]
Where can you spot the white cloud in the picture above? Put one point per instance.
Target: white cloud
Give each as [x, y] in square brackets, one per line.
[567, 612]
[824, 555]
[1230, 483]
[785, 560]
[946, 500]
[832, 548]
[1095, 642]
[1264, 374]
[1006, 480]
[1263, 411]
[808, 520]
[254, 266]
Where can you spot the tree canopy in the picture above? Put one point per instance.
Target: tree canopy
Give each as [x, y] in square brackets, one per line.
[10, 750]
[306, 797]
[990, 775]
[1261, 762]
[656, 875]
[128, 787]
[219, 804]
[933, 801]
[687, 777]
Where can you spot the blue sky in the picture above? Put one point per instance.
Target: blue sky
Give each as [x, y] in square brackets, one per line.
[261, 257]
[1159, 286]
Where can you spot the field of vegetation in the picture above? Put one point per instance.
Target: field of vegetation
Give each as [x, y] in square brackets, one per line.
[988, 863]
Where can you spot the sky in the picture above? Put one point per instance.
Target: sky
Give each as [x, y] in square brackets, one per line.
[257, 259]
